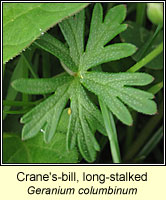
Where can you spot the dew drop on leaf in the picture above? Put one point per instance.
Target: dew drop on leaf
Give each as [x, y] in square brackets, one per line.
[41, 130]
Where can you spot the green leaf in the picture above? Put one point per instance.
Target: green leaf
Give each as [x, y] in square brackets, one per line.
[36, 150]
[57, 48]
[101, 33]
[84, 119]
[46, 115]
[106, 54]
[23, 23]
[73, 31]
[112, 88]
[42, 85]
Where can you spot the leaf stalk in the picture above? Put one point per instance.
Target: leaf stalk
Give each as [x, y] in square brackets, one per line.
[111, 131]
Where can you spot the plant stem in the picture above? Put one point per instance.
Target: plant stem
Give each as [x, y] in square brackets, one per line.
[156, 88]
[147, 58]
[142, 51]
[140, 13]
[29, 66]
[16, 112]
[111, 131]
[20, 103]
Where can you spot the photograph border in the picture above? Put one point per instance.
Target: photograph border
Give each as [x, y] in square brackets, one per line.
[77, 164]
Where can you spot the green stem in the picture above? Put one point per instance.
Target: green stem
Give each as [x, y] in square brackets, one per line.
[147, 58]
[16, 112]
[156, 88]
[20, 103]
[142, 51]
[111, 131]
[29, 66]
[140, 13]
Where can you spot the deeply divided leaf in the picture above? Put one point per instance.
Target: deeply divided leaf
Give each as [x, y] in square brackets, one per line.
[43, 114]
[113, 88]
[73, 31]
[56, 48]
[85, 118]
[101, 32]
[42, 85]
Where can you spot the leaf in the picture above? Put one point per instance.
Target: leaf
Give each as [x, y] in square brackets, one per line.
[23, 23]
[73, 31]
[57, 48]
[42, 85]
[84, 119]
[36, 150]
[101, 33]
[112, 88]
[45, 115]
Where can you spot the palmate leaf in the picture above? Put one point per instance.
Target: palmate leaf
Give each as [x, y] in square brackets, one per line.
[42, 85]
[101, 32]
[73, 31]
[46, 115]
[114, 89]
[56, 48]
[84, 119]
